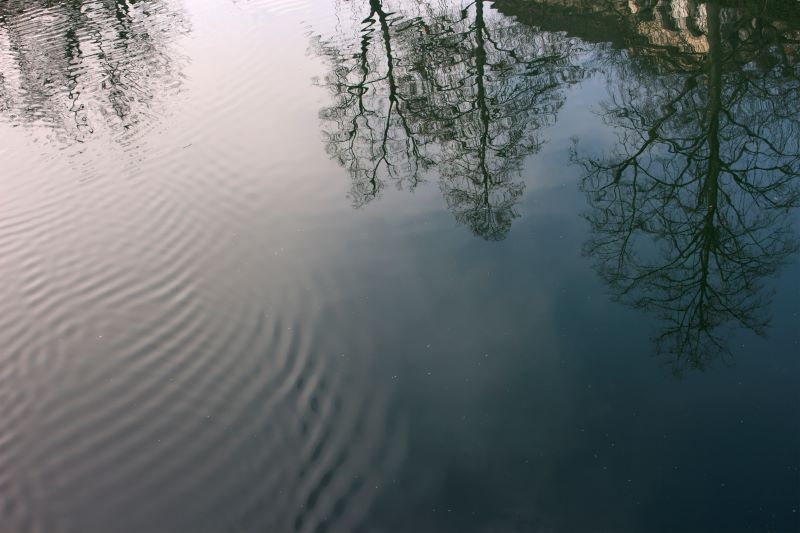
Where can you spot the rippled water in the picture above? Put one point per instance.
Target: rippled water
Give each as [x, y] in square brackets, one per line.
[399, 265]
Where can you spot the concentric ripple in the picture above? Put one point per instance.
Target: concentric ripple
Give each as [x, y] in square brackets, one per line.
[136, 367]
[166, 364]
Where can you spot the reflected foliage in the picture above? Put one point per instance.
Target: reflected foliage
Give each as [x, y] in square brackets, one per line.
[690, 212]
[79, 66]
[447, 90]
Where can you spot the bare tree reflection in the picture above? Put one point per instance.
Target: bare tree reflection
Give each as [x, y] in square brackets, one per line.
[450, 88]
[371, 133]
[691, 211]
[75, 66]
[504, 85]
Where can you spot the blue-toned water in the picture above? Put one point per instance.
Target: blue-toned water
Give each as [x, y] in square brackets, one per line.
[399, 266]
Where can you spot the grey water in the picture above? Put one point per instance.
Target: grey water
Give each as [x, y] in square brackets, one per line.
[399, 266]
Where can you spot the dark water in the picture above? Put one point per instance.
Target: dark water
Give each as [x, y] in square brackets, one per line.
[399, 266]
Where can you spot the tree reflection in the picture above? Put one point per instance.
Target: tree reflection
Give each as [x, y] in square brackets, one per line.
[75, 66]
[454, 89]
[370, 131]
[690, 213]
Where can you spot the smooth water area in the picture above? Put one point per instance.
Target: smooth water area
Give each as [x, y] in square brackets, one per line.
[399, 266]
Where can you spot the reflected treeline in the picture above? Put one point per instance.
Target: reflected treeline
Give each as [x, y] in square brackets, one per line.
[78, 66]
[690, 213]
[449, 89]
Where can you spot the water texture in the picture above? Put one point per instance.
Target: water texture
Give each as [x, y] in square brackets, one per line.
[399, 265]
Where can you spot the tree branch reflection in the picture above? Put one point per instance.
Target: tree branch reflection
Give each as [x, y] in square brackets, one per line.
[690, 213]
[450, 88]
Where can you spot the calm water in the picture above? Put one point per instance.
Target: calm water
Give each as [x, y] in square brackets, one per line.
[399, 266]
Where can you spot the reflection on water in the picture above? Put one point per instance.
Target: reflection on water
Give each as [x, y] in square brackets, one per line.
[669, 29]
[444, 89]
[81, 67]
[208, 338]
[690, 212]
[151, 379]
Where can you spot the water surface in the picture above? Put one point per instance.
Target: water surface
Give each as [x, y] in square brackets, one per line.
[399, 265]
